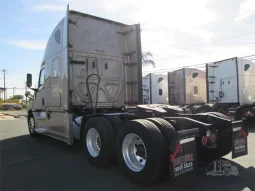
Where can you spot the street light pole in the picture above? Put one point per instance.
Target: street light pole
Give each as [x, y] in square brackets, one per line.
[13, 92]
[5, 72]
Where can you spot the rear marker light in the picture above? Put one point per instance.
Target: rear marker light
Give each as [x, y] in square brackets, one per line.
[251, 114]
[213, 138]
[208, 133]
[204, 140]
[228, 114]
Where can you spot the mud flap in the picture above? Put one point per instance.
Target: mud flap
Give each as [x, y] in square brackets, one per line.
[184, 158]
[239, 140]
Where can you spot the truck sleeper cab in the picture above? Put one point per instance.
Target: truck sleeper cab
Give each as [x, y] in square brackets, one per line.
[90, 88]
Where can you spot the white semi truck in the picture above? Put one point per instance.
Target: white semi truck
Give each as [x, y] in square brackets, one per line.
[226, 86]
[180, 87]
[155, 89]
[187, 86]
[90, 76]
[230, 89]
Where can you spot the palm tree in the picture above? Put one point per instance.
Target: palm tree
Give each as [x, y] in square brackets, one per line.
[147, 59]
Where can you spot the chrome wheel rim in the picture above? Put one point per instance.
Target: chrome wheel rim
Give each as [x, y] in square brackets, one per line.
[134, 152]
[93, 142]
[31, 125]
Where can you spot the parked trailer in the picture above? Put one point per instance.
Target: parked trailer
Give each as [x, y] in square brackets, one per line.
[90, 73]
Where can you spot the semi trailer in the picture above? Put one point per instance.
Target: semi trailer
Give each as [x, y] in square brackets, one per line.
[90, 90]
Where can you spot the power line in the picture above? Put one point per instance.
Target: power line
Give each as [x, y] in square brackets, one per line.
[163, 58]
[220, 40]
[249, 57]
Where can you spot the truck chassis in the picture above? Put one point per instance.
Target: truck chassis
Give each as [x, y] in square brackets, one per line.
[152, 141]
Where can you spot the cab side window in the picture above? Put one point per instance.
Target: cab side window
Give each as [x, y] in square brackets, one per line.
[41, 78]
[246, 67]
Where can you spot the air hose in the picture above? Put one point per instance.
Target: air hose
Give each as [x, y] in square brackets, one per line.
[87, 84]
[221, 95]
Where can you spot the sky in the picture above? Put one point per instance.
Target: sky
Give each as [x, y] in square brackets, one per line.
[177, 32]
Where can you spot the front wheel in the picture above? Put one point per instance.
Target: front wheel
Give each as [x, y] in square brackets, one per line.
[31, 126]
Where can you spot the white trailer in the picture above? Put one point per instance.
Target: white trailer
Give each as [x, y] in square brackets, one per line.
[187, 86]
[155, 89]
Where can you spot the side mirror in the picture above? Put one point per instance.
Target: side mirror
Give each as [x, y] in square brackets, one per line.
[29, 80]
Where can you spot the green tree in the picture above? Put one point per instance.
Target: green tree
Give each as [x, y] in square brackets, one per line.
[147, 59]
[16, 97]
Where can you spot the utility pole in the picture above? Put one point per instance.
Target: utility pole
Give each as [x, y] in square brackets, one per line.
[5, 72]
[13, 92]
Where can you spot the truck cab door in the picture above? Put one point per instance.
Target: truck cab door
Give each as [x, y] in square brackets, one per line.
[39, 111]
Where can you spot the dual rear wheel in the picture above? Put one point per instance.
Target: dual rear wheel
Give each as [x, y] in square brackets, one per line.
[139, 146]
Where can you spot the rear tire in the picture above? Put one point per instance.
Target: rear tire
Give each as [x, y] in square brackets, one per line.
[151, 147]
[165, 128]
[168, 132]
[116, 123]
[219, 115]
[98, 142]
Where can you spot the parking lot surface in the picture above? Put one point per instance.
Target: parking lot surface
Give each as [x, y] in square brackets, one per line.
[44, 163]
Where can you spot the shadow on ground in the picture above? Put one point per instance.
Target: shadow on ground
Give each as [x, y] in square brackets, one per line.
[252, 130]
[48, 164]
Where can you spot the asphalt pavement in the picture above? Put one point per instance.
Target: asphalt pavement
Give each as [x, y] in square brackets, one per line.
[44, 163]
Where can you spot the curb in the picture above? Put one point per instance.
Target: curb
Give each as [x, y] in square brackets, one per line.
[13, 115]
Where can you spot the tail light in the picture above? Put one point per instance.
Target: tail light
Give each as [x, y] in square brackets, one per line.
[227, 114]
[248, 113]
[213, 138]
[204, 140]
[210, 137]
